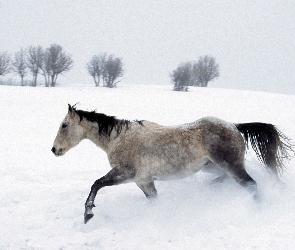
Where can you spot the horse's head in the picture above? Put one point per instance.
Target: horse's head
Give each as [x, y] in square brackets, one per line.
[70, 133]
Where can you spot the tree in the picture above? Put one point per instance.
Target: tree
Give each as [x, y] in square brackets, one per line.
[95, 67]
[205, 70]
[181, 77]
[105, 67]
[55, 62]
[20, 65]
[4, 63]
[34, 61]
[112, 70]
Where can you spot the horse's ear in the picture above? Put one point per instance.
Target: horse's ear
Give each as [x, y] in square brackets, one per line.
[72, 111]
[70, 108]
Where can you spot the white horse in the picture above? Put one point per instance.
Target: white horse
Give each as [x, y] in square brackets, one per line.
[142, 151]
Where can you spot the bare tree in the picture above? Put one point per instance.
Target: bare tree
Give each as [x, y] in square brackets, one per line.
[181, 77]
[95, 67]
[4, 63]
[34, 61]
[107, 67]
[112, 70]
[45, 69]
[20, 64]
[55, 62]
[205, 70]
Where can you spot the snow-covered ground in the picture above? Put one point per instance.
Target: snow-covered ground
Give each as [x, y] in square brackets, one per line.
[42, 197]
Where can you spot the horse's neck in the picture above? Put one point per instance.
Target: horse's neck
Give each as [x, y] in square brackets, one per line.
[91, 133]
[102, 141]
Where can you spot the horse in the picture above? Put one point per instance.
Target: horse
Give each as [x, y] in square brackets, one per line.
[143, 151]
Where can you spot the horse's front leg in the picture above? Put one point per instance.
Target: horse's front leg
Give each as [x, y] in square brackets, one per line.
[148, 189]
[116, 176]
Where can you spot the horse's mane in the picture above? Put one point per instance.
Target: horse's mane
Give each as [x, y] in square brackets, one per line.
[106, 123]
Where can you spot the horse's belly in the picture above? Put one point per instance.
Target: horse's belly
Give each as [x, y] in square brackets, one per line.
[172, 175]
[170, 168]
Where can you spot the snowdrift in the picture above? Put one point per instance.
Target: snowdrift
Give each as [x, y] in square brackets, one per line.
[42, 197]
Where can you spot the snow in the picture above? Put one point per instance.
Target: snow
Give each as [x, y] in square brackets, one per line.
[42, 197]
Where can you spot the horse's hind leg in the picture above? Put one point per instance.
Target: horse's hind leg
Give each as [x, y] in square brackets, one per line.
[148, 188]
[220, 179]
[211, 168]
[245, 180]
[233, 166]
[239, 174]
[229, 156]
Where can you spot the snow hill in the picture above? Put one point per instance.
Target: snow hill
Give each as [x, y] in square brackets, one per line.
[42, 197]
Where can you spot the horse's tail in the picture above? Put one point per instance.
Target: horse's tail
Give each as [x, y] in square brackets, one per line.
[271, 146]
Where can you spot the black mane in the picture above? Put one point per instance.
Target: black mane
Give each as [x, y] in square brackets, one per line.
[106, 123]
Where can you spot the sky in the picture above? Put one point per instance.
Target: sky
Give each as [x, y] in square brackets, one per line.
[253, 41]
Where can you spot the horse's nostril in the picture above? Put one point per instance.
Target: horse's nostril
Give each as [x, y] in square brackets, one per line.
[53, 150]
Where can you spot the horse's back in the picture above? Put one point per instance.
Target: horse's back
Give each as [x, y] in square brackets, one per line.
[150, 125]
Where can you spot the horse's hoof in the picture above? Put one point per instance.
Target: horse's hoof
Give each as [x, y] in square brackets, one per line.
[87, 217]
[257, 198]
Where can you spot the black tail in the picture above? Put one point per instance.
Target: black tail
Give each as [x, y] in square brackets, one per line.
[270, 145]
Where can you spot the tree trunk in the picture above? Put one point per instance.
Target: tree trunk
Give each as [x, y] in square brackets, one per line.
[34, 84]
[46, 80]
[53, 77]
[54, 80]
[96, 81]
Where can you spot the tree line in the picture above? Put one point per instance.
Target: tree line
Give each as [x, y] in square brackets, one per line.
[195, 73]
[54, 61]
[105, 69]
[50, 62]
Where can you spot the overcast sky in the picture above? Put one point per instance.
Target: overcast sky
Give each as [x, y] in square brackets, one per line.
[253, 41]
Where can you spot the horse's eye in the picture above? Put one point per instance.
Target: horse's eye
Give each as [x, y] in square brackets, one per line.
[64, 125]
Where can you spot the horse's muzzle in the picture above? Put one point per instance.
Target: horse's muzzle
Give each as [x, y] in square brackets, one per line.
[54, 151]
